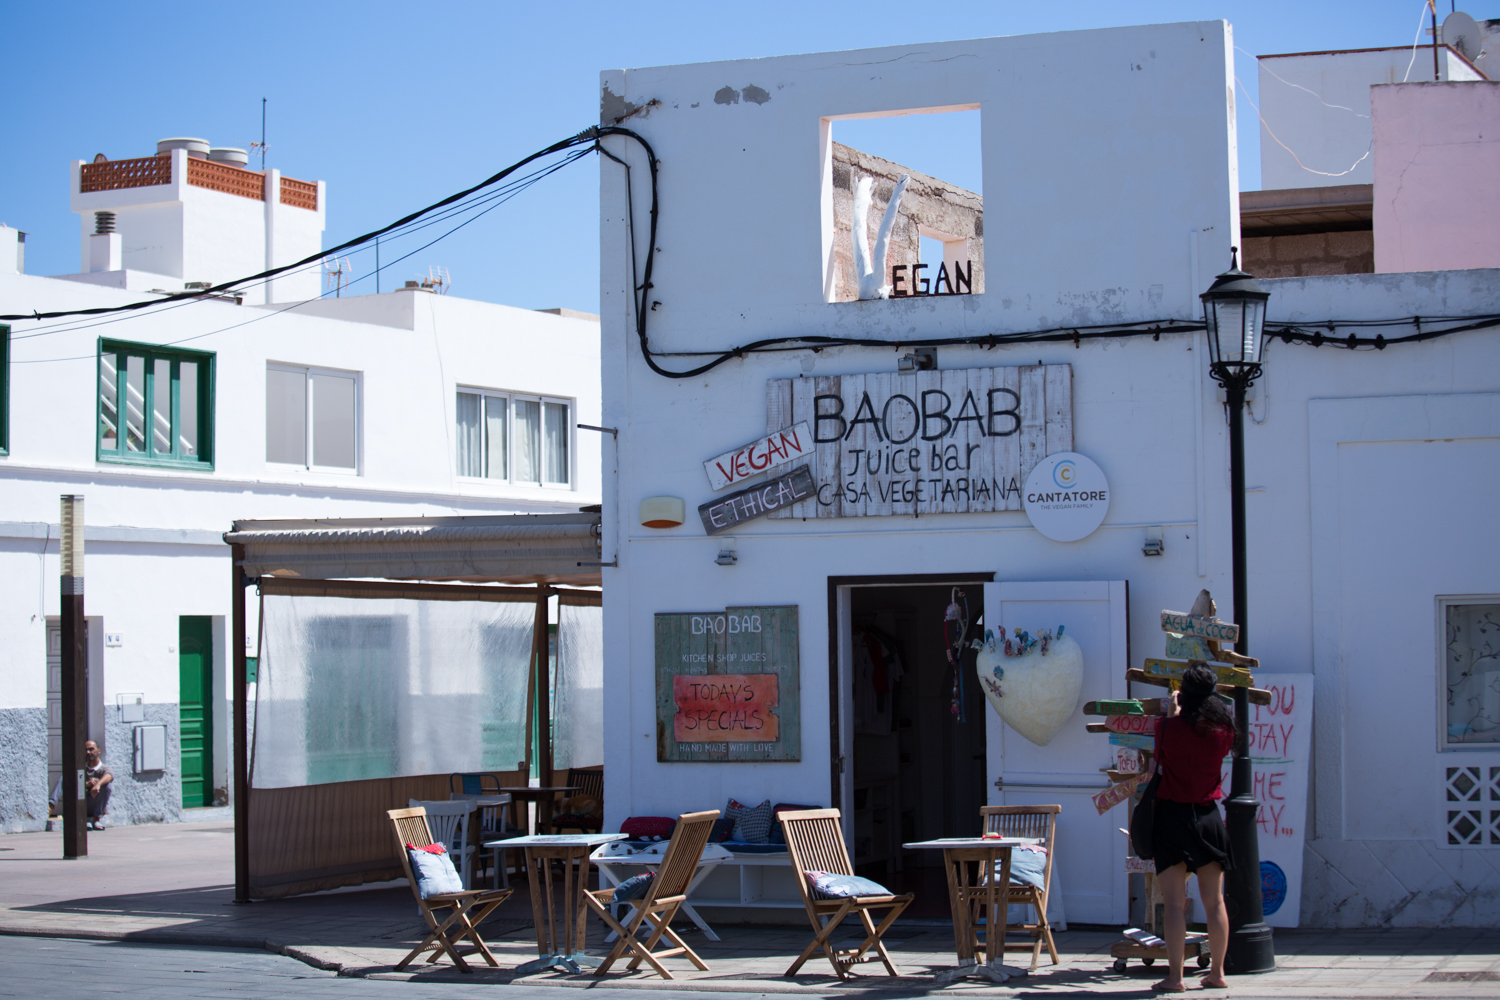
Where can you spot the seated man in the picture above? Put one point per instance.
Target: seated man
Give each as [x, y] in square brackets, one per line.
[96, 780]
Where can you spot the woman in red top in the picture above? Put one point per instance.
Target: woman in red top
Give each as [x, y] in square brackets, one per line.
[1189, 835]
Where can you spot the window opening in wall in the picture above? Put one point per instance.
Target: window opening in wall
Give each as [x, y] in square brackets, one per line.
[312, 418]
[936, 243]
[522, 439]
[155, 406]
[1471, 709]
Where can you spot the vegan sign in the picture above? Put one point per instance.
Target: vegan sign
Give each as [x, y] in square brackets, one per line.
[727, 685]
[925, 442]
[775, 449]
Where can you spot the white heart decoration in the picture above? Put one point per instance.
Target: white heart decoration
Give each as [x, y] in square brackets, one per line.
[1038, 694]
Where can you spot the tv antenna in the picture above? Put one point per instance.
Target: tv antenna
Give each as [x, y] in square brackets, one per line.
[262, 144]
[438, 280]
[336, 272]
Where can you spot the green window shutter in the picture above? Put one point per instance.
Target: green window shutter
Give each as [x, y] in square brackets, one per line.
[154, 406]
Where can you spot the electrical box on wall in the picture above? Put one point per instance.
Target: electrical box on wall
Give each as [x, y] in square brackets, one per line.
[132, 707]
[150, 748]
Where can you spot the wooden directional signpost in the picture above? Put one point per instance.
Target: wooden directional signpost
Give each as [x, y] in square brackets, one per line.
[1192, 637]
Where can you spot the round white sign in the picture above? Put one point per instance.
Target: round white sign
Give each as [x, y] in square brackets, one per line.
[1066, 496]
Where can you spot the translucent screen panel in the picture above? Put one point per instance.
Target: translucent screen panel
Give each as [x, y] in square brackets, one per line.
[579, 725]
[528, 441]
[497, 437]
[1473, 680]
[109, 403]
[286, 416]
[333, 421]
[349, 689]
[187, 409]
[469, 434]
[556, 442]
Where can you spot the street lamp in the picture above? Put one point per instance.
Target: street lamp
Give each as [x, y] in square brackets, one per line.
[1234, 308]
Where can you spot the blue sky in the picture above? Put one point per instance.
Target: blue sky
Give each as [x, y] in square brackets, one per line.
[395, 105]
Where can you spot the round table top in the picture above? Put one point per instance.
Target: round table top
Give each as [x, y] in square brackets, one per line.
[521, 790]
[557, 840]
[968, 843]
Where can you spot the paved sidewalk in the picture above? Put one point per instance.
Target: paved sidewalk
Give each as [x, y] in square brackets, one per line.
[173, 885]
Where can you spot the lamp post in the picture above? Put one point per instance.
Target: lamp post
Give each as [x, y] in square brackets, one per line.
[1234, 308]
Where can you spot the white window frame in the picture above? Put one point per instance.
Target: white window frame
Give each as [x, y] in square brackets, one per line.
[511, 398]
[1444, 602]
[308, 371]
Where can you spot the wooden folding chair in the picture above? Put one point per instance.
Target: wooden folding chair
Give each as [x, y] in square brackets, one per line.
[469, 907]
[1029, 821]
[660, 904]
[815, 841]
[590, 785]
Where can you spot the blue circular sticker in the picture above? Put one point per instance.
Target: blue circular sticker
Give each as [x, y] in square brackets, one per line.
[1272, 887]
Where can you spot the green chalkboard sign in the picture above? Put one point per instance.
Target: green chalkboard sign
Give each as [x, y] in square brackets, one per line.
[727, 685]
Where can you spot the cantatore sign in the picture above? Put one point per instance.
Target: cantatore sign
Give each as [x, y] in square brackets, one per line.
[928, 442]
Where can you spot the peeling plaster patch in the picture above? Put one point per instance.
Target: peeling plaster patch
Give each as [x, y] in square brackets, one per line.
[727, 95]
[694, 104]
[756, 94]
[613, 108]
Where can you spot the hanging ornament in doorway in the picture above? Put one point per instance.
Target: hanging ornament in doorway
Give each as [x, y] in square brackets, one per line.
[1033, 682]
[955, 629]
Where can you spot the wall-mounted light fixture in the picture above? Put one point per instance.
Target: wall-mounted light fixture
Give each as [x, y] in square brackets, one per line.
[921, 359]
[1154, 545]
[662, 512]
[728, 555]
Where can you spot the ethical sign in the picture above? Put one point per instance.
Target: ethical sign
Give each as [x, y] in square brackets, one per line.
[727, 685]
[1066, 496]
[761, 455]
[757, 501]
[928, 442]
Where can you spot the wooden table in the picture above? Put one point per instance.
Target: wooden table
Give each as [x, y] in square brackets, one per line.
[975, 894]
[572, 849]
[540, 795]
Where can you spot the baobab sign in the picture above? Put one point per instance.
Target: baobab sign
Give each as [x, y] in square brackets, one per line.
[927, 442]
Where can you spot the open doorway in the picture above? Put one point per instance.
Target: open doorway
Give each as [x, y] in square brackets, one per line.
[918, 733]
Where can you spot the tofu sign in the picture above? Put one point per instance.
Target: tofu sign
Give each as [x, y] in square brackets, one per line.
[775, 449]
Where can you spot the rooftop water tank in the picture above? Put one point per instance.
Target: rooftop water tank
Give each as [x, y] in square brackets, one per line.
[195, 147]
[230, 156]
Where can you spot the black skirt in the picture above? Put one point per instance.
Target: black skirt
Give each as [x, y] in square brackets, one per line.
[1191, 833]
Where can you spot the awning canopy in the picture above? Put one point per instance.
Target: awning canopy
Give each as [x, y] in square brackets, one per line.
[501, 548]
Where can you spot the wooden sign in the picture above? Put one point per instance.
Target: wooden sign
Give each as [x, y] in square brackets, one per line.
[1138, 740]
[1173, 670]
[1134, 865]
[718, 707]
[928, 442]
[757, 501]
[1115, 707]
[728, 686]
[1115, 794]
[1204, 628]
[1130, 724]
[1188, 647]
[761, 455]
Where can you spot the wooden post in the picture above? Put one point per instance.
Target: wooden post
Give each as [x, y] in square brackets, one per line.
[543, 689]
[75, 681]
[241, 727]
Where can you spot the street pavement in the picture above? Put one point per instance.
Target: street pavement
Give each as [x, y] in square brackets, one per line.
[147, 894]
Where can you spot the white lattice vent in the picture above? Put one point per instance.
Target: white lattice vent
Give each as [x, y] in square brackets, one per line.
[1472, 805]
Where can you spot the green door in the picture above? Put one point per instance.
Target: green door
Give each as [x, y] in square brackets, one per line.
[195, 671]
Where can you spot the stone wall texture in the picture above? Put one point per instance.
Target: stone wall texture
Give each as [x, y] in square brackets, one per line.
[152, 797]
[927, 202]
[23, 769]
[1399, 883]
[1310, 254]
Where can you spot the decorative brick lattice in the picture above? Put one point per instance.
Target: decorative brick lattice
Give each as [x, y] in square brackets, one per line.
[299, 194]
[1466, 827]
[113, 175]
[1465, 784]
[1494, 784]
[229, 180]
[1495, 827]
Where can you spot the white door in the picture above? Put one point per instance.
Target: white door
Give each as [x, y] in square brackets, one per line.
[1090, 858]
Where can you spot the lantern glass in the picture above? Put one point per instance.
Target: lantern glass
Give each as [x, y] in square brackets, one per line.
[1234, 329]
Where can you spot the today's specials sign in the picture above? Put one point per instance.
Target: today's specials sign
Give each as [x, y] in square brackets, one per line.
[727, 685]
[929, 442]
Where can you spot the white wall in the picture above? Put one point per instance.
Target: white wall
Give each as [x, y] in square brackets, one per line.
[1093, 224]
[1318, 105]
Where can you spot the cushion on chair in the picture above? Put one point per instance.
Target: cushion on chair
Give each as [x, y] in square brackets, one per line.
[1028, 866]
[826, 885]
[722, 831]
[434, 871]
[752, 824]
[778, 835]
[634, 887]
[648, 827]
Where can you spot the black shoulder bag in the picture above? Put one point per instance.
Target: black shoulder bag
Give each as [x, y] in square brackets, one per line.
[1143, 820]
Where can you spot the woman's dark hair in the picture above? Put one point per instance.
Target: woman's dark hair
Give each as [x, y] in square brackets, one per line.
[1199, 702]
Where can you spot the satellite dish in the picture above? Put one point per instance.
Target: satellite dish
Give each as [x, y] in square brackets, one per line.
[1461, 33]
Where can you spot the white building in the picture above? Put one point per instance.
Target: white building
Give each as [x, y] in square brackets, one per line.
[1112, 200]
[175, 422]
